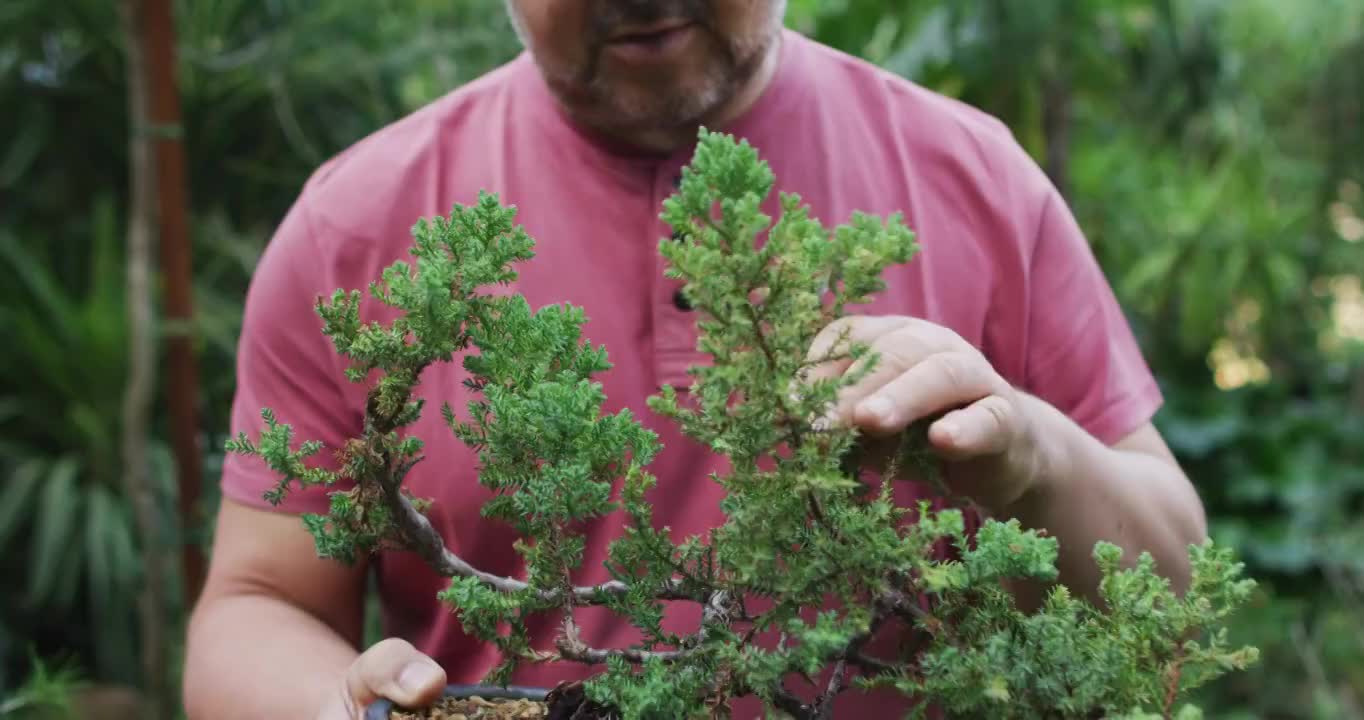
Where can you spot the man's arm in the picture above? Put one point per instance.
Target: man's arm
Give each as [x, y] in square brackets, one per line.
[276, 631]
[1132, 494]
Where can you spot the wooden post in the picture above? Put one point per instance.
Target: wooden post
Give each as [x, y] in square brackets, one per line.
[158, 34]
[141, 384]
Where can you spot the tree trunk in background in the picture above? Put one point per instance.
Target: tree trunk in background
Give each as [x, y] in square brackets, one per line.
[138, 393]
[158, 36]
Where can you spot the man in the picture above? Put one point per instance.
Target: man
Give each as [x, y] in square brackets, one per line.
[1003, 320]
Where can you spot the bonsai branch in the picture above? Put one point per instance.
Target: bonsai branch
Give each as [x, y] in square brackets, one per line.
[595, 656]
[872, 664]
[421, 537]
[571, 647]
[824, 705]
[787, 701]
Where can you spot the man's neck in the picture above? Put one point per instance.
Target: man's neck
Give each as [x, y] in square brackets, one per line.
[667, 140]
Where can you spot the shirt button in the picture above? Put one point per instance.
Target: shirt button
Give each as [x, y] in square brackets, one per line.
[680, 301]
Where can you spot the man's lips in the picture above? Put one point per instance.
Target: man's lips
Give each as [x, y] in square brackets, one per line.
[652, 32]
[656, 43]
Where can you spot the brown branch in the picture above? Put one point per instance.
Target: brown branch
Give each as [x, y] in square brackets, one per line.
[422, 538]
[580, 652]
[571, 647]
[794, 426]
[886, 606]
[717, 609]
[824, 705]
[1172, 687]
[902, 607]
[762, 339]
[874, 664]
[788, 419]
[786, 700]
[817, 512]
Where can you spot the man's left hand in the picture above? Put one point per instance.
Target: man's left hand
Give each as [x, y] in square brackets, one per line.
[984, 432]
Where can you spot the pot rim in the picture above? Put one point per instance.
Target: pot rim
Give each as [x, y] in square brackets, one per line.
[380, 709]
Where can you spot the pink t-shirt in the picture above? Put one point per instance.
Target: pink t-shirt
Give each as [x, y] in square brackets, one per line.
[1003, 264]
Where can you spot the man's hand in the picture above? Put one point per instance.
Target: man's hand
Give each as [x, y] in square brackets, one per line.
[391, 669]
[1016, 455]
[982, 426]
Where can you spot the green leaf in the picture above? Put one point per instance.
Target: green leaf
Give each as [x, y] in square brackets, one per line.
[100, 519]
[997, 689]
[23, 151]
[60, 504]
[124, 563]
[39, 281]
[1285, 275]
[16, 497]
[1151, 269]
[10, 408]
[107, 281]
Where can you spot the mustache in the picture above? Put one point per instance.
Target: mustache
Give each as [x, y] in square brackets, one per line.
[609, 16]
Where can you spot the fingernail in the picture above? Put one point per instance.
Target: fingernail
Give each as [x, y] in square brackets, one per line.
[879, 408]
[418, 676]
[949, 431]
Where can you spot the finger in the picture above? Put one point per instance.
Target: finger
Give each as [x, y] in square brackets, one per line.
[896, 352]
[941, 382]
[838, 337]
[829, 355]
[984, 427]
[395, 670]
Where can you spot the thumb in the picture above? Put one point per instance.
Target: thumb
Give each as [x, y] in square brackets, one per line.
[393, 669]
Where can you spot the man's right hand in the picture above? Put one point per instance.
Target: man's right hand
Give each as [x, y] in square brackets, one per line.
[275, 631]
[391, 669]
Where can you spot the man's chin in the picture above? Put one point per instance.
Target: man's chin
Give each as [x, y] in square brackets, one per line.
[627, 111]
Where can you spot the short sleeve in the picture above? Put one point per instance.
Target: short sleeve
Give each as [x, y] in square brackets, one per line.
[1081, 353]
[285, 363]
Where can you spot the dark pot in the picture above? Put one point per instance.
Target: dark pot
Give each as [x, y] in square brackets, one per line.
[381, 709]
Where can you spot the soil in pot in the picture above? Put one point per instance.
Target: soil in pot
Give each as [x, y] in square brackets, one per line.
[477, 708]
[565, 702]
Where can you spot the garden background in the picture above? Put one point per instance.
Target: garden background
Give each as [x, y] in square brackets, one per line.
[1212, 149]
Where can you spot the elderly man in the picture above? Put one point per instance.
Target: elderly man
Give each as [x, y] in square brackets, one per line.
[1003, 324]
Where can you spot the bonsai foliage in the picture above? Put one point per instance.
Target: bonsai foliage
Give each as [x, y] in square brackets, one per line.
[806, 523]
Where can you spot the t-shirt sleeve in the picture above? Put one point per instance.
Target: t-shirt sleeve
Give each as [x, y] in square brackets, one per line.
[1081, 353]
[285, 363]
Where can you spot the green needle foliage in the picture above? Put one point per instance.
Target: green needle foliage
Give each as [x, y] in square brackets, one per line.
[804, 526]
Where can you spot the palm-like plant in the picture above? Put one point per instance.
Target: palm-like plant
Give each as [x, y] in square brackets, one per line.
[64, 524]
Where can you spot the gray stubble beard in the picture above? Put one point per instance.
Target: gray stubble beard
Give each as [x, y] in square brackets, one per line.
[742, 61]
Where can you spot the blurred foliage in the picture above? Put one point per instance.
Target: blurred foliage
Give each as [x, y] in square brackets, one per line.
[1213, 151]
[268, 89]
[48, 693]
[64, 525]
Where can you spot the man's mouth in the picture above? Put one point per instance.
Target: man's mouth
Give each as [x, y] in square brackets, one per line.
[653, 37]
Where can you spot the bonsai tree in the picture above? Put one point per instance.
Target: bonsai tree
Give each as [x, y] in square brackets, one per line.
[805, 518]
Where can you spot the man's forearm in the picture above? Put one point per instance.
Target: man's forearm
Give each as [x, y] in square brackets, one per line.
[253, 656]
[1089, 492]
